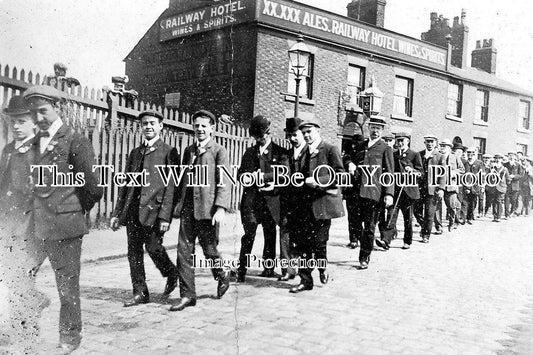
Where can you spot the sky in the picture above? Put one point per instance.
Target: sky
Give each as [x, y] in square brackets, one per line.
[92, 37]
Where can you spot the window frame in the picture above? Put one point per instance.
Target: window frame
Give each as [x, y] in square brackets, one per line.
[525, 119]
[458, 101]
[483, 115]
[481, 147]
[359, 87]
[408, 100]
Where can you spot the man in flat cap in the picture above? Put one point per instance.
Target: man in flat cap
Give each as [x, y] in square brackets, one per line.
[389, 139]
[59, 211]
[459, 150]
[455, 165]
[292, 197]
[483, 198]
[368, 193]
[17, 249]
[430, 194]
[471, 193]
[355, 227]
[406, 161]
[324, 202]
[260, 204]
[498, 192]
[526, 186]
[516, 172]
[146, 211]
[201, 209]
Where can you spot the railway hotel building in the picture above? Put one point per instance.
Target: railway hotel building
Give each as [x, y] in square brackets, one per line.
[232, 57]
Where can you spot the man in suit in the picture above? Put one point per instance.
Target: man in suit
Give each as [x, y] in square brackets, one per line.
[368, 193]
[483, 197]
[471, 193]
[260, 204]
[526, 186]
[201, 209]
[516, 172]
[430, 194]
[406, 161]
[16, 246]
[459, 150]
[455, 165]
[324, 202]
[146, 211]
[355, 227]
[59, 211]
[498, 191]
[292, 198]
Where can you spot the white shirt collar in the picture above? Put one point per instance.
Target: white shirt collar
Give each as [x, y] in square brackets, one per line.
[298, 150]
[150, 143]
[314, 145]
[371, 142]
[263, 148]
[203, 143]
[52, 130]
[19, 144]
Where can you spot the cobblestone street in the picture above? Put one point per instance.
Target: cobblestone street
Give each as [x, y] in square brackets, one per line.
[466, 292]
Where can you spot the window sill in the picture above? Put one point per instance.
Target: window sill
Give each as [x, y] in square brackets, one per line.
[481, 123]
[454, 118]
[523, 130]
[401, 117]
[303, 101]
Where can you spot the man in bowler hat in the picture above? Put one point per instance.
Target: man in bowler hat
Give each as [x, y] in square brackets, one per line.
[59, 211]
[146, 211]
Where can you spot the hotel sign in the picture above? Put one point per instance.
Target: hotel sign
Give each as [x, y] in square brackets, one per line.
[348, 32]
[223, 14]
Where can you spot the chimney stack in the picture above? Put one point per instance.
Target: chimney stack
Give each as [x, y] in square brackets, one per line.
[484, 56]
[369, 11]
[177, 6]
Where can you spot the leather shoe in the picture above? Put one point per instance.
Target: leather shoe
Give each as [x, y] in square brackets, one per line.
[364, 265]
[438, 231]
[269, 273]
[300, 288]
[469, 221]
[184, 303]
[324, 277]
[172, 282]
[352, 245]
[241, 276]
[380, 243]
[223, 285]
[69, 343]
[137, 300]
[286, 277]
[406, 246]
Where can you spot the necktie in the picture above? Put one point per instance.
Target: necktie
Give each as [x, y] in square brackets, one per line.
[43, 134]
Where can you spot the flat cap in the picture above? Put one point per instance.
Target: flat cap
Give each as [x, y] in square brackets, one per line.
[205, 114]
[60, 65]
[400, 135]
[292, 124]
[498, 156]
[377, 121]
[44, 92]
[471, 150]
[16, 106]
[430, 136]
[446, 141]
[152, 113]
[388, 136]
[259, 125]
[486, 156]
[511, 153]
[310, 122]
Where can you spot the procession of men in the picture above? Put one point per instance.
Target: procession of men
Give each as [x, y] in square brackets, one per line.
[50, 221]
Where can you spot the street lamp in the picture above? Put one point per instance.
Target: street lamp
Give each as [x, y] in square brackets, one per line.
[371, 100]
[299, 56]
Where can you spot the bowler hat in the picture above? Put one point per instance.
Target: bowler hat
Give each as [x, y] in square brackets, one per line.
[459, 146]
[205, 114]
[310, 122]
[292, 124]
[430, 136]
[44, 92]
[447, 142]
[377, 121]
[16, 106]
[402, 135]
[152, 113]
[259, 125]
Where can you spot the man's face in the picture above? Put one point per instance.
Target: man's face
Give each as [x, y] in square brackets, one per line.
[43, 112]
[458, 152]
[486, 161]
[445, 149]
[261, 139]
[203, 128]
[512, 158]
[498, 162]
[430, 144]
[310, 133]
[296, 138]
[375, 131]
[22, 126]
[403, 143]
[151, 127]
[471, 156]
[390, 142]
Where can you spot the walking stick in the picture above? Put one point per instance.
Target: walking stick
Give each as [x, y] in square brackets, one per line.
[395, 205]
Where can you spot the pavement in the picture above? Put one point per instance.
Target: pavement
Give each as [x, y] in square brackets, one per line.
[466, 292]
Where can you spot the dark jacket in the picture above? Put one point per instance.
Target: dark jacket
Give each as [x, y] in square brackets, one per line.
[412, 159]
[426, 186]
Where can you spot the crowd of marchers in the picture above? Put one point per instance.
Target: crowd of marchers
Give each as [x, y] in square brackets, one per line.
[49, 221]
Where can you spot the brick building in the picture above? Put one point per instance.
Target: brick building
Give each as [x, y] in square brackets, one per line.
[232, 57]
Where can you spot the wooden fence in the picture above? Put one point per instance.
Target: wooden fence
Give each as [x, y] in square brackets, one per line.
[111, 125]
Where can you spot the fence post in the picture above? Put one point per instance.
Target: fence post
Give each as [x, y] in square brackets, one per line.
[112, 117]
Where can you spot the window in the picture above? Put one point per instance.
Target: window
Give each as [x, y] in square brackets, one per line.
[524, 114]
[521, 148]
[306, 83]
[481, 145]
[455, 99]
[403, 96]
[482, 105]
[356, 82]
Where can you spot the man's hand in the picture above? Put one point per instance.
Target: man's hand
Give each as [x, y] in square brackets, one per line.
[310, 182]
[164, 226]
[351, 168]
[440, 193]
[113, 223]
[388, 200]
[219, 216]
[268, 187]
